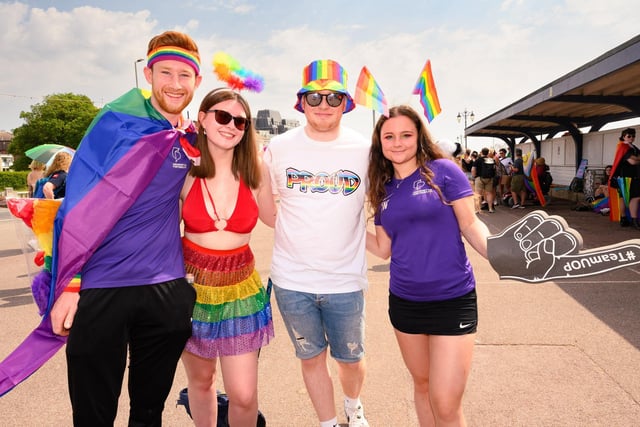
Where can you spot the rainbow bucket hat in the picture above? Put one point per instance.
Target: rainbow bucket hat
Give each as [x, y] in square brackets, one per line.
[324, 74]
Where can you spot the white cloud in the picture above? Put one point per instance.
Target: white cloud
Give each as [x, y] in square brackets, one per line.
[484, 57]
[609, 14]
[87, 50]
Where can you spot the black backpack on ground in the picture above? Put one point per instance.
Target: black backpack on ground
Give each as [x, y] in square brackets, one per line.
[576, 185]
[223, 409]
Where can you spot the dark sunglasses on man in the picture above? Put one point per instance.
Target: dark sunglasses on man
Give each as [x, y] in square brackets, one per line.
[313, 99]
[223, 118]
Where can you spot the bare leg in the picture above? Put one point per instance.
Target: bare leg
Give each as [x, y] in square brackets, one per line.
[449, 370]
[514, 196]
[201, 379]
[352, 378]
[490, 195]
[315, 373]
[439, 366]
[415, 353]
[240, 376]
[633, 207]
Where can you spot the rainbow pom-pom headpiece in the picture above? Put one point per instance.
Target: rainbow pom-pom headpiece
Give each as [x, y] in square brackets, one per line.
[236, 76]
[174, 53]
[324, 74]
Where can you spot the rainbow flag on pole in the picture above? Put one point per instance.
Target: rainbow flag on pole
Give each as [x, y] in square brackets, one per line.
[426, 88]
[369, 94]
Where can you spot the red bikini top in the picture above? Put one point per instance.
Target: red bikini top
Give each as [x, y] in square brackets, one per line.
[197, 220]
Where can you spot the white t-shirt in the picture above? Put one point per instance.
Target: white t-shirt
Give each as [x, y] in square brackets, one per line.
[320, 230]
[507, 162]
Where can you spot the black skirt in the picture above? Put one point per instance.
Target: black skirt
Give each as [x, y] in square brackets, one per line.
[457, 316]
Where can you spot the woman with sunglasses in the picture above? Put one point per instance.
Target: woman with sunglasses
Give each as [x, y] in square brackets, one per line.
[222, 199]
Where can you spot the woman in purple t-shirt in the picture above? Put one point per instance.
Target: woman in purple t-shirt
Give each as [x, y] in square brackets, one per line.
[422, 205]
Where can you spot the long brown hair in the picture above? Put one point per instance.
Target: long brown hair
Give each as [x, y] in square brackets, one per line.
[381, 169]
[245, 155]
[61, 162]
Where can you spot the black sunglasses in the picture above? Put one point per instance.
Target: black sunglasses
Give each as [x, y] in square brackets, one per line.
[223, 117]
[334, 99]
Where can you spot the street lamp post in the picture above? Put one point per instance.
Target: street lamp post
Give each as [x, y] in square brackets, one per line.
[465, 114]
[135, 69]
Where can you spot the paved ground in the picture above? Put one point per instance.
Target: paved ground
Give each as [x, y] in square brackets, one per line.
[552, 354]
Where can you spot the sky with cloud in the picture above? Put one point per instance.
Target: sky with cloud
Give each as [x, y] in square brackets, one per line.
[485, 54]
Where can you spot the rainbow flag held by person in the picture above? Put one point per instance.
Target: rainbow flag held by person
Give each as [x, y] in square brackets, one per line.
[368, 93]
[118, 157]
[527, 162]
[426, 88]
[537, 188]
[624, 187]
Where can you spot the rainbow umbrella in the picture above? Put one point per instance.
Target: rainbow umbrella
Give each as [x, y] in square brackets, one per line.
[45, 152]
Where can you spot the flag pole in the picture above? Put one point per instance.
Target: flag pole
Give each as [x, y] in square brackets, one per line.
[374, 118]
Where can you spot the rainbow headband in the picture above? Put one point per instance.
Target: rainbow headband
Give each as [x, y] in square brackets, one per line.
[174, 53]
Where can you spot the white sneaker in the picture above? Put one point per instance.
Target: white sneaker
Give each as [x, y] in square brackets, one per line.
[355, 416]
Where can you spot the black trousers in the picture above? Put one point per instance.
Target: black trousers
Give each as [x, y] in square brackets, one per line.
[154, 322]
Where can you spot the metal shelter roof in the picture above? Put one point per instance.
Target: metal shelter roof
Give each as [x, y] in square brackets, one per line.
[602, 91]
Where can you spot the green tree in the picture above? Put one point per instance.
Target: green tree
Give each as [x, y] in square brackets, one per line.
[61, 119]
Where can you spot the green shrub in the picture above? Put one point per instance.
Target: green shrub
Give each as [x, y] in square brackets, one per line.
[15, 180]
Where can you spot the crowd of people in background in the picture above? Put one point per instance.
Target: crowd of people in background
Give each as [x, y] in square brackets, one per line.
[499, 180]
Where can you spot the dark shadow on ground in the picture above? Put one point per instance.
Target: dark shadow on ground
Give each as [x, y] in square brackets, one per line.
[10, 252]
[613, 297]
[15, 297]
[616, 304]
[379, 268]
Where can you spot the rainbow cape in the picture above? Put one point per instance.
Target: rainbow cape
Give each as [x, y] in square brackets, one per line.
[614, 204]
[369, 94]
[426, 88]
[119, 155]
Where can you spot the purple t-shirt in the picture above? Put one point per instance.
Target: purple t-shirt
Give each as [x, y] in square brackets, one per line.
[428, 258]
[144, 247]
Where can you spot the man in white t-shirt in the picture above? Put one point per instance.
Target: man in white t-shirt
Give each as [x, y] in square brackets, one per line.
[318, 269]
[505, 179]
